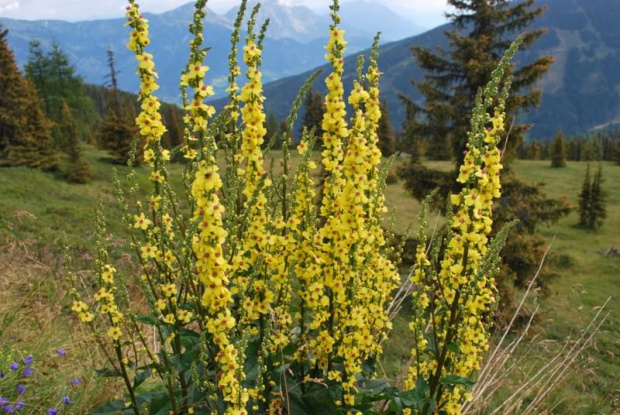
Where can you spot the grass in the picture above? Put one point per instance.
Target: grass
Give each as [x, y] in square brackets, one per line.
[35, 208]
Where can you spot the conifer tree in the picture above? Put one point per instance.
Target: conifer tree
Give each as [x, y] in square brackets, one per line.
[313, 115]
[118, 128]
[558, 151]
[483, 30]
[78, 170]
[57, 82]
[24, 129]
[385, 131]
[536, 149]
[585, 198]
[598, 211]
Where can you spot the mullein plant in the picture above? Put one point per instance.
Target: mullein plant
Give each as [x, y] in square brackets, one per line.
[255, 298]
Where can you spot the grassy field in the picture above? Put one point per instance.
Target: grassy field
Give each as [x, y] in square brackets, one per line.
[36, 208]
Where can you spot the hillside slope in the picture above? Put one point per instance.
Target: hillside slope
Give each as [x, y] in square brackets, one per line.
[581, 91]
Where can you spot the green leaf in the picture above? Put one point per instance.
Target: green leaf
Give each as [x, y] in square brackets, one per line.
[456, 380]
[108, 373]
[148, 319]
[112, 408]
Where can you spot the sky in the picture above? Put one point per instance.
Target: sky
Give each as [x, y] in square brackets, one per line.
[427, 13]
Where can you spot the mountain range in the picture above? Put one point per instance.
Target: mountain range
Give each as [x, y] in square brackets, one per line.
[295, 41]
[581, 91]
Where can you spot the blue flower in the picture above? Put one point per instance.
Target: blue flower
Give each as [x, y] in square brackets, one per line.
[28, 372]
[19, 405]
[14, 366]
[9, 409]
[28, 360]
[52, 411]
[3, 401]
[66, 400]
[2, 375]
[21, 389]
[61, 352]
[76, 381]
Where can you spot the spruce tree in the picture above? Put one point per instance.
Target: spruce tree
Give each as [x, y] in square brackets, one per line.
[585, 199]
[57, 82]
[118, 128]
[24, 129]
[313, 116]
[558, 151]
[78, 170]
[597, 212]
[483, 30]
[536, 150]
[385, 131]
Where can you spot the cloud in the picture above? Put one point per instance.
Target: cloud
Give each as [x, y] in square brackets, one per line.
[7, 7]
[427, 11]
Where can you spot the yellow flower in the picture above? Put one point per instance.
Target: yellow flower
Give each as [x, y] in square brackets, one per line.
[141, 222]
[114, 333]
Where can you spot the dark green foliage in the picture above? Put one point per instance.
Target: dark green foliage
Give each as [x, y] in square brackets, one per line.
[536, 150]
[482, 31]
[598, 213]
[24, 129]
[387, 141]
[313, 115]
[117, 129]
[558, 151]
[592, 211]
[57, 83]
[584, 198]
[410, 139]
[78, 170]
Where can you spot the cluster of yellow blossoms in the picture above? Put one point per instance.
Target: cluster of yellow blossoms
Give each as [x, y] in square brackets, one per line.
[227, 274]
[461, 297]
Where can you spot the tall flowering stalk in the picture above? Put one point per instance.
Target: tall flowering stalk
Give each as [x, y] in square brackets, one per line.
[455, 297]
[258, 298]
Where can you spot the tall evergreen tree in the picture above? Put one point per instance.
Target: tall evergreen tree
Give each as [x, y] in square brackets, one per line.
[598, 211]
[24, 129]
[558, 151]
[585, 198]
[78, 170]
[385, 131]
[313, 115]
[483, 30]
[118, 128]
[57, 82]
[535, 150]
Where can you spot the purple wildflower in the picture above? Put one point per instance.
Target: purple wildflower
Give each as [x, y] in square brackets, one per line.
[28, 372]
[14, 366]
[61, 352]
[66, 400]
[2, 375]
[76, 381]
[28, 360]
[3, 400]
[21, 389]
[20, 404]
[9, 409]
[52, 411]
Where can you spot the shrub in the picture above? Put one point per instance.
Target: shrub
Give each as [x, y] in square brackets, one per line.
[258, 300]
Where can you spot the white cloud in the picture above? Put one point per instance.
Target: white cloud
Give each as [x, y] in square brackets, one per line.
[426, 12]
[9, 6]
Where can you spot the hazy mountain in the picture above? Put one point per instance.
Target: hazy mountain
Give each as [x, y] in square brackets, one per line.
[581, 91]
[372, 17]
[359, 19]
[86, 44]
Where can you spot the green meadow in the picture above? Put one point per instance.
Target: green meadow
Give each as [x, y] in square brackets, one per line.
[37, 209]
